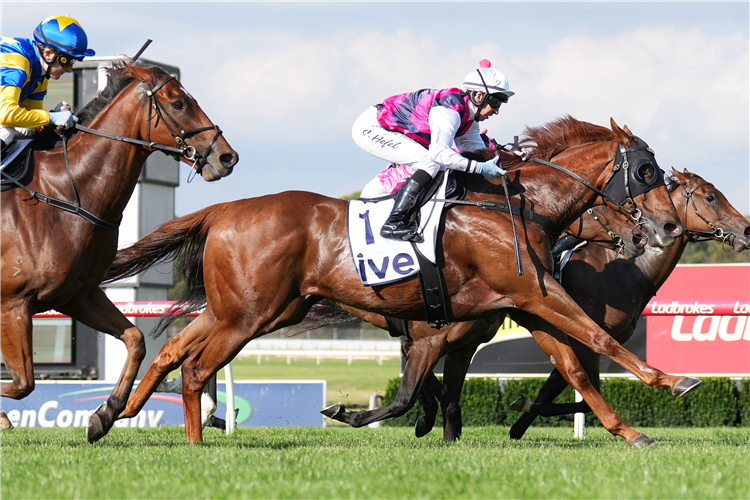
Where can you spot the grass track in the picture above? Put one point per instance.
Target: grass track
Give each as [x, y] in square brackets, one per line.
[334, 463]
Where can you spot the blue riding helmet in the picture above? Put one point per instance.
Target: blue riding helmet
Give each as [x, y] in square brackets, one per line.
[65, 35]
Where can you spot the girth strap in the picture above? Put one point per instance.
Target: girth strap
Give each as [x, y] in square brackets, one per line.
[549, 226]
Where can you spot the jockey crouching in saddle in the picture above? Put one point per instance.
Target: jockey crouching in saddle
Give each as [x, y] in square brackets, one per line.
[26, 66]
[418, 130]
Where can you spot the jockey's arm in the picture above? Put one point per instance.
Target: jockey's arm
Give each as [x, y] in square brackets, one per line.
[444, 124]
[28, 114]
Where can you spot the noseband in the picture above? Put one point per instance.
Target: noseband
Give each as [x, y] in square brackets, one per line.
[696, 235]
[177, 132]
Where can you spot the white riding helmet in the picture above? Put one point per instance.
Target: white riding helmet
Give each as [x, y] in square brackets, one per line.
[487, 80]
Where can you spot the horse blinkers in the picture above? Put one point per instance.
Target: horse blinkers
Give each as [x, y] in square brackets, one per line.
[634, 173]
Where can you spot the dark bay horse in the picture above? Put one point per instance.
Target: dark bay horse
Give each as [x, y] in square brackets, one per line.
[55, 259]
[613, 289]
[705, 213]
[260, 264]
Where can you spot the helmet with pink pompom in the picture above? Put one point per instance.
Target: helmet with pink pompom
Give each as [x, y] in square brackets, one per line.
[490, 82]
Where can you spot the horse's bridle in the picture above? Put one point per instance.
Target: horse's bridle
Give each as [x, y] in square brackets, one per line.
[184, 150]
[187, 151]
[696, 235]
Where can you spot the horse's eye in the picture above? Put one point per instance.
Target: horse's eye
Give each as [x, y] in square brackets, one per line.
[711, 198]
[647, 172]
[178, 105]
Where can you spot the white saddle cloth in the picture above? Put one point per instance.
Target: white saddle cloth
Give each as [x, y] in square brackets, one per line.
[379, 260]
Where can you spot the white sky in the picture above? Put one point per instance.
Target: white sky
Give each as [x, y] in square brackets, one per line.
[285, 81]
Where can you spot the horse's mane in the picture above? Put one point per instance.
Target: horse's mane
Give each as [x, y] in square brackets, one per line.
[119, 76]
[551, 139]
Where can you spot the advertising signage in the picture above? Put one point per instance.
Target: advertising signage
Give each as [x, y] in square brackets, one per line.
[698, 323]
[708, 331]
[258, 403]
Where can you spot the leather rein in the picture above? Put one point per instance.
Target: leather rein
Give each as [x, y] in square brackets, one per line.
[182, 151]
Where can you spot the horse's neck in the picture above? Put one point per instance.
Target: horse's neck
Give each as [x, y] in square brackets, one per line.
[105, 171]
[571, 197]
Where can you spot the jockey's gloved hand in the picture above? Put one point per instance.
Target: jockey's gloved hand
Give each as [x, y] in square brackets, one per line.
[490, 169]
[63, 119]
[62, 106]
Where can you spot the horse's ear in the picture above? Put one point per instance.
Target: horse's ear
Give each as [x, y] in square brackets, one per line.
[679, 175]
[627, 130]
[140, 73]
[623, 137]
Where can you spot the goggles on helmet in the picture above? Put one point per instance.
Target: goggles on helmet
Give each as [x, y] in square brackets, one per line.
[67, 60]
[495, 100]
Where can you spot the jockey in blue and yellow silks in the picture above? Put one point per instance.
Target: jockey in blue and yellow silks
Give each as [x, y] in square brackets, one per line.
[419, 129]
[26, 65]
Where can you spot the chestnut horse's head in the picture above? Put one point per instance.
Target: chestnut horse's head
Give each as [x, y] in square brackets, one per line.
[175, 119]
[706, 213]
[611, 229]
[636, 184]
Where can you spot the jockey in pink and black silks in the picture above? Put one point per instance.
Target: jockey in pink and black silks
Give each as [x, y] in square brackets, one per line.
[26, 65]
[420, 129]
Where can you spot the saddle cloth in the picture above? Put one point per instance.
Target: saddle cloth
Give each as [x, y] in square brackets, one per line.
[379, 260]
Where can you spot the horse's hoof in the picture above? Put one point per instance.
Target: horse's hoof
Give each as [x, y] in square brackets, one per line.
[521, 404]
[642, 441]
[5, 423]
[217, 423]
[333, 411]
[422, 428]
[97, 429]
[685, 385]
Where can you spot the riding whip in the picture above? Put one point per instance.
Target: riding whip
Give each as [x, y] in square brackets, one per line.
[516, 245]
[145, 45]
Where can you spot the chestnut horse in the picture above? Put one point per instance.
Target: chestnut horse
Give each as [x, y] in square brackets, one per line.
[260, 264]
[56, 253]
[621, 292]
[614, 291]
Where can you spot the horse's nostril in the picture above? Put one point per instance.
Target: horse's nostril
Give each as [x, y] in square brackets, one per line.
[229, 159]
[747, 231]
[673, 229]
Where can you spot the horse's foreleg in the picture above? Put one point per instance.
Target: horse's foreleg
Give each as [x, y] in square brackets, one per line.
[564, 359]
[170, 357]
[429, 395]
[559, 309]
[98, 312]
[18, 355]
[552, 388]
[456, 366]
[423, 356]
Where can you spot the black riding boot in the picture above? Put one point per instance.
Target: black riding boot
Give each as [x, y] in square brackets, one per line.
[397, 225]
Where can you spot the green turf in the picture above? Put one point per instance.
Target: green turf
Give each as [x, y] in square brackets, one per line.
[332, 463]
[349, 384]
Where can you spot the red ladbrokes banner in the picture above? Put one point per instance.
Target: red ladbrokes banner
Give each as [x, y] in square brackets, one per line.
[698, 323]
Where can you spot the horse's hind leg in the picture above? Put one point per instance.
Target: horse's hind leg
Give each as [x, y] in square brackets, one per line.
[423, 356]
[98, 312]
[170, 357]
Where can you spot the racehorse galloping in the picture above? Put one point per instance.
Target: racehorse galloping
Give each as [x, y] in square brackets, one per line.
[706, 213]
[263, 262]
[55, 259]
[615, 290]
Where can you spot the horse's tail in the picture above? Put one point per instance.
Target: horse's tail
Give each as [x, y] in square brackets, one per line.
[182, 241]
